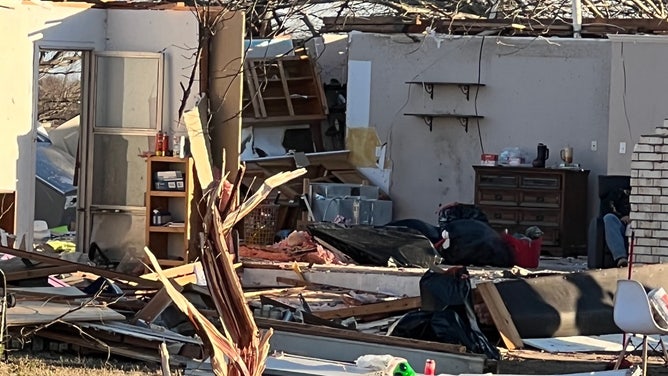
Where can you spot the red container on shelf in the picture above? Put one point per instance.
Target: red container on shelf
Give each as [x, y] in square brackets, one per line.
[165, 143]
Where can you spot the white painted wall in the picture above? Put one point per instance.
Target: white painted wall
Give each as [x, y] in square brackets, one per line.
[26, 27]
[537, 90]
[638, 101]
[173, 32]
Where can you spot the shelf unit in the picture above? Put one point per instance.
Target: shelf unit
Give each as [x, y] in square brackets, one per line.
[283, 91]
[428, 117]
[169, 244]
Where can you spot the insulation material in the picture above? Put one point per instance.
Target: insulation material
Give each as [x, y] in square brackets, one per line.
[362, 143]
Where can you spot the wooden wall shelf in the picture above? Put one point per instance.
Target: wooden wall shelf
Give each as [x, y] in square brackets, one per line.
[428, 86]
[429, 118]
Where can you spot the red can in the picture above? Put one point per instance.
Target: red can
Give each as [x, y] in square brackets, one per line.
[430, 367]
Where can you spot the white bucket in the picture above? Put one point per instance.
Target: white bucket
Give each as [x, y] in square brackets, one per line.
[41, 231]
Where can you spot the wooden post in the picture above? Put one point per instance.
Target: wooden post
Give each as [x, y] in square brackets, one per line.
[500, 315]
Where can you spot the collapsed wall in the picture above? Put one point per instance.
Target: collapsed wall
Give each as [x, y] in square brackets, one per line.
[649, 197]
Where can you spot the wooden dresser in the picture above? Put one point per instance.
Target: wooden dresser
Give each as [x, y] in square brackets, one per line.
[555, 200]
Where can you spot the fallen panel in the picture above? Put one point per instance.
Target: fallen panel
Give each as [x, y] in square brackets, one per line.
[348, 350]
[571, 304]
[35, 313]
[142, 333]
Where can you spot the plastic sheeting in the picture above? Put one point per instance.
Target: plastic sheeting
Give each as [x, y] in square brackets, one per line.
[369, 245]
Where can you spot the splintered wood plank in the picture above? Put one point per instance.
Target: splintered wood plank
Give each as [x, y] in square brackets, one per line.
[251, 90]
[500, 315]
[177, 271]
[154, 307]
[35, 313]
[399, 305]
[196, 122]
[286, 90]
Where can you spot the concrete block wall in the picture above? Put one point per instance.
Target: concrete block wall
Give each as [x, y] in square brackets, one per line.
[649, 196]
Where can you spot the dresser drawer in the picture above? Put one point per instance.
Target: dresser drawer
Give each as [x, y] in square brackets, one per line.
[501, 215]
[497, 197]
[550, 236]
[540, 199]
[540, 182]
[498, 180]
[539, 218]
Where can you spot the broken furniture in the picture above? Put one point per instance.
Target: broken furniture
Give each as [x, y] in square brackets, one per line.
[169, 190]
[633, 315]
[514, 198]
[284, 91]
[598, 253]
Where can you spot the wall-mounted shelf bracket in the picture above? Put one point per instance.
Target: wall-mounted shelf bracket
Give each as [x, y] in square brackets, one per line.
[428, 86]
[429, 118]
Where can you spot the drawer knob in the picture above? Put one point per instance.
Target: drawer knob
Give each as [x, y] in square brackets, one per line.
[498, 197]
[497, 215]
[540, 199]
[540, 217]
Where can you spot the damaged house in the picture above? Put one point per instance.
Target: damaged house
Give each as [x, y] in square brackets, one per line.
[386, 111]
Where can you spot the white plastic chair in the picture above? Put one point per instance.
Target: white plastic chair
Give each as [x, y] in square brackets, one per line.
[633, 315]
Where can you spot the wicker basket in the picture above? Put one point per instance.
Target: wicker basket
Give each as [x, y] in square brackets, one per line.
[261, 224]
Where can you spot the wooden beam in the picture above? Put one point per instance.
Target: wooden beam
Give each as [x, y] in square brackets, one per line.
[79, 267]
[176, 271]
[254, 294]
[500, 315]
[158, 303]
[398, 305]
[39, 272]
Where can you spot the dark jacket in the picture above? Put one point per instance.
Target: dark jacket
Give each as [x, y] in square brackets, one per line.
[617, 203]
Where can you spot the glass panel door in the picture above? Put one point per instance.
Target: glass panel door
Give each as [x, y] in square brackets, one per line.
[126, 115]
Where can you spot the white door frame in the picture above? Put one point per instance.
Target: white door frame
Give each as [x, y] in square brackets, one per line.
[25, 186]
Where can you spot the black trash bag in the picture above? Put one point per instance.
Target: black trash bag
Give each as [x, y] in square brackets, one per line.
[428, 230]
[452, 319]
[454, 212]
[439, 291]
[370, 245]
[474, 242]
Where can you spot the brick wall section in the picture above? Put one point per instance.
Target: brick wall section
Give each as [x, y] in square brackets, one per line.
[649, 197]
